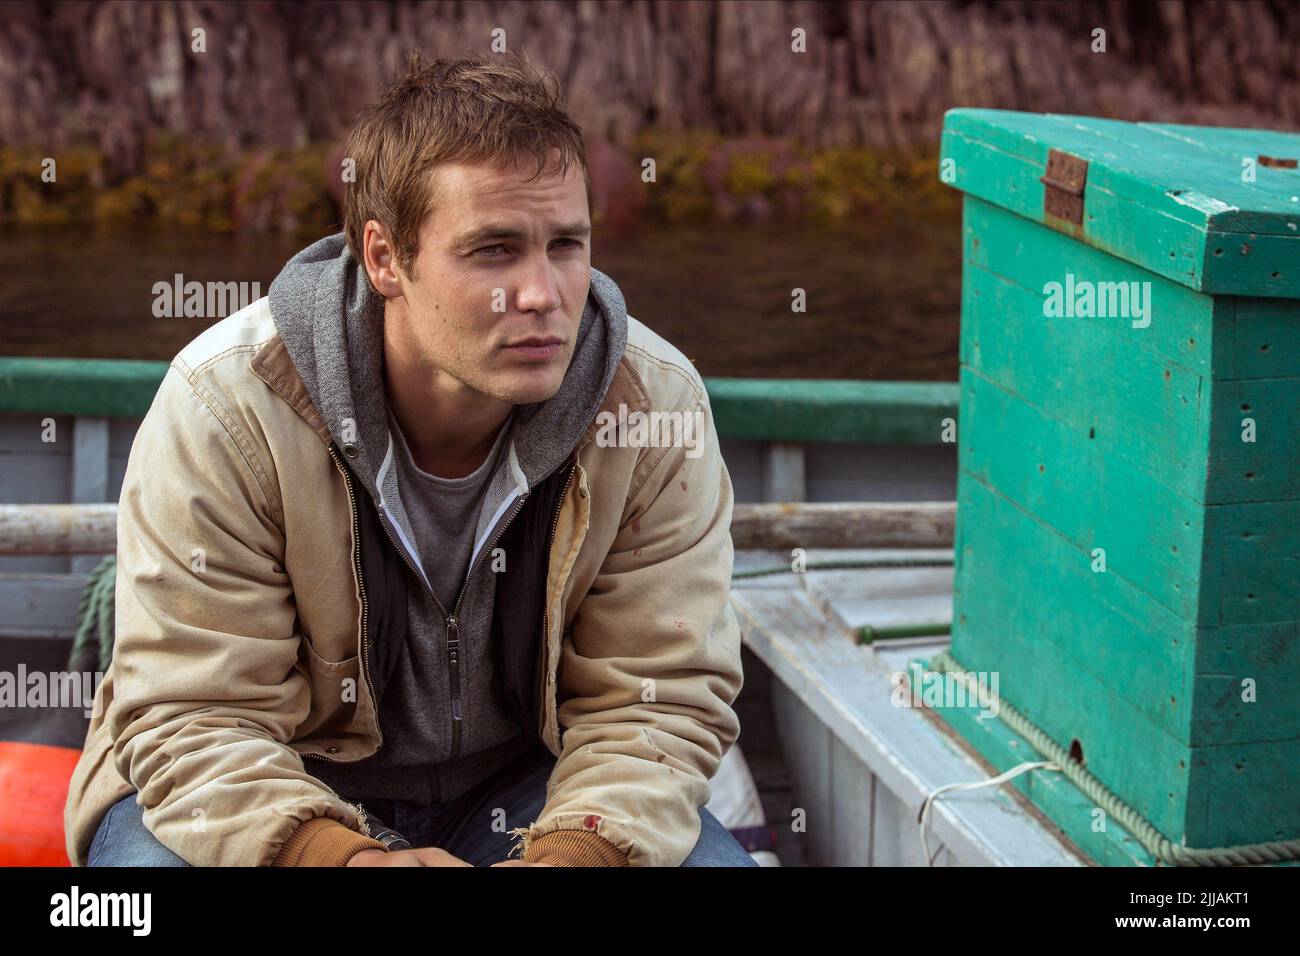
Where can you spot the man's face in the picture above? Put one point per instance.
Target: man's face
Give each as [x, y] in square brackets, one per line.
[502, 271]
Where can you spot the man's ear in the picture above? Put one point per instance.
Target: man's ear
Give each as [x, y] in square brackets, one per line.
[380, 262]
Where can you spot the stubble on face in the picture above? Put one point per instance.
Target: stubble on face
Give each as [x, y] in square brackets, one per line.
[503, 258]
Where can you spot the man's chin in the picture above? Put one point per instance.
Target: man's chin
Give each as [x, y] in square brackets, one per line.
[530, 390]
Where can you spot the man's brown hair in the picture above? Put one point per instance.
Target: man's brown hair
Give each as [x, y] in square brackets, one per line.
[498, 109]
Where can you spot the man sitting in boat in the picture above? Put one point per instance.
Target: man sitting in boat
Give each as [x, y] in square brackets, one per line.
[388, 594]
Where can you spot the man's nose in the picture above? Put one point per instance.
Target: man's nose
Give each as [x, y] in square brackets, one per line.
[538, 291]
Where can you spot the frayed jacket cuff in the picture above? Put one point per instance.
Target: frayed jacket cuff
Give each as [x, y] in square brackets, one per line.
[323, 841]
[574, 848]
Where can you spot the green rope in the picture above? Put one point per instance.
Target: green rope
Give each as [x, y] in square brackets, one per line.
[846, 563]
[95, 616]
[1159, 846]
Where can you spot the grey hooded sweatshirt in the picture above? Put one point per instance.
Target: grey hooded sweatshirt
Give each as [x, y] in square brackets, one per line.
[331, 322]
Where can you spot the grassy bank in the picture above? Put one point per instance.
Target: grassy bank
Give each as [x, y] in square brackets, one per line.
[698, 176]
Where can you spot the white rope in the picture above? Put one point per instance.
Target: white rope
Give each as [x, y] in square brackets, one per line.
[924, 816]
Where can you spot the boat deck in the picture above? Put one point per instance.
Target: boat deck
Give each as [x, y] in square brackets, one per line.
[840, 771]
[858, 766]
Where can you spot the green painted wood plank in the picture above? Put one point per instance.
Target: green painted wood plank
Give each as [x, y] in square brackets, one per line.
[1017, 629]
[907, 413]
[1003, 441]
[1070, 809]
[1144, 204]
[757, 409]
[1255, 265]
[1266, 654]
[1245, 793]
[1236, 145]
[1208, 164]
[1161, 416]
[1028, 138]
[1151, 534]
[1235, 142]
[1267, 468]
[1256, 338]
[1100, 623]
[1053, 793]
[1223, 338]
[1251, 569]
[1118, 226]
[1031, 256]
[1115, 632]
[53, 386]
[1128, 751]
[1180, 178]
[1150, 413]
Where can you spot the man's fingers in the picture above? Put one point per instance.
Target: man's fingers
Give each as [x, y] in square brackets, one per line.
[519, 863]
[419, 856]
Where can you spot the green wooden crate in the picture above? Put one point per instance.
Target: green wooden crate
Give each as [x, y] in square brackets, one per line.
[1128, 531]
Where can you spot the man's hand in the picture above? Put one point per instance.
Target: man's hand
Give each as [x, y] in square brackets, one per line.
[420, 856]
[519, 863]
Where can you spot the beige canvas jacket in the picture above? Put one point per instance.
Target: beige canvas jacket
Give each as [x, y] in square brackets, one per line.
[238, 628]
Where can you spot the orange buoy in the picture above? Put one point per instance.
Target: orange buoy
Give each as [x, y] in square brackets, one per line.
[33, 790]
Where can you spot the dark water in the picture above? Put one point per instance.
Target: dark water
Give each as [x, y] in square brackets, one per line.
[882, 295]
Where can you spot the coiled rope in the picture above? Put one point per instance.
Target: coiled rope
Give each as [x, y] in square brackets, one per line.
[1160, 847]
[95, 617]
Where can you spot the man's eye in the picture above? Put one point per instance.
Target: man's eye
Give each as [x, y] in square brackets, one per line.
[498, 250]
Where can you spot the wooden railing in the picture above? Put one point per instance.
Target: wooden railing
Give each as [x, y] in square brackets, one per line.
[92, 529]
[781, 414]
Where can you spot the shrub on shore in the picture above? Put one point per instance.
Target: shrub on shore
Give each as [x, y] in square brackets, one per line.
[698, 176]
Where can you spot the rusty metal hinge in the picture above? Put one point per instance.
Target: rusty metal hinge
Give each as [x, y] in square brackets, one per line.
[1277, 162]
[1063, 186]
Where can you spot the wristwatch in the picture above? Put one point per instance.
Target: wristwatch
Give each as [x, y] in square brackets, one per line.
[390, 838]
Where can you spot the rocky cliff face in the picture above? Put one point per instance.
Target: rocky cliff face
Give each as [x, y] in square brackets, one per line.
[270, 73]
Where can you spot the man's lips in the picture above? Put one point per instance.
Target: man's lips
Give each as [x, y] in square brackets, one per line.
[536, 348]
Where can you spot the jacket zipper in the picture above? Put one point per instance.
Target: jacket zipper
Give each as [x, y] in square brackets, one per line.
[450, 621]
[544, 657]
[453, 628]
[365, 604]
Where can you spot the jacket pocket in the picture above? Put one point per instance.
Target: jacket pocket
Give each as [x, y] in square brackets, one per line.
[334, 693]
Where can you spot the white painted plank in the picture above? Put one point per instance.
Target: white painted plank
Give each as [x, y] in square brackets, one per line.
[90, 439]
[851, 807]
[40, 605]
[805, 741]
[89, 460]
[884, 597]
[896, 839]
[783, 473]
[745, 468]
[816, 661]
[845, 471]
[850, 472]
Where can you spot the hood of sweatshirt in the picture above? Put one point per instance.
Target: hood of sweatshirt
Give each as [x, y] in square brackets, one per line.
[331, 322]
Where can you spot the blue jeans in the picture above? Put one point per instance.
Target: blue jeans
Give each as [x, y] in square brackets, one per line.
[467, 827]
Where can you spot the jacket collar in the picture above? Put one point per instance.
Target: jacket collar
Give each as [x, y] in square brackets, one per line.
[272, 364]
[330, 322]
